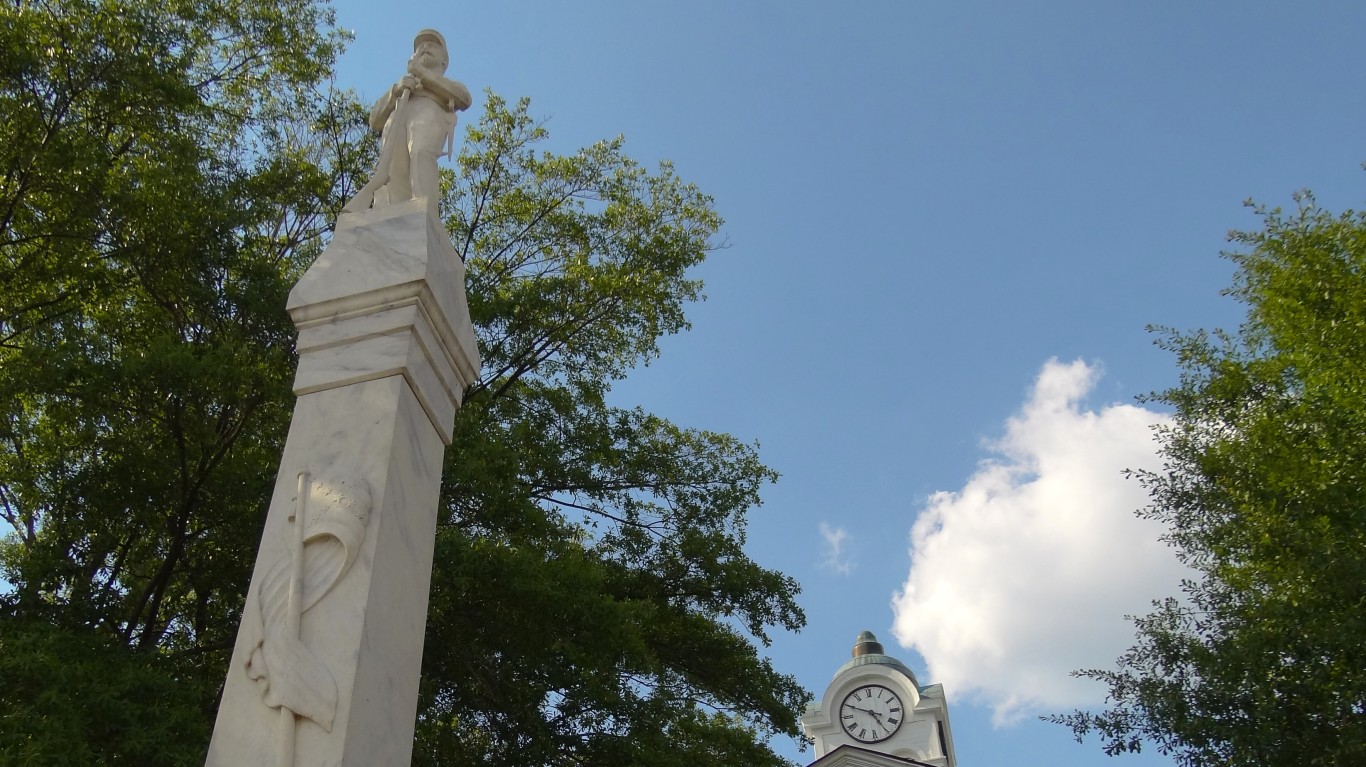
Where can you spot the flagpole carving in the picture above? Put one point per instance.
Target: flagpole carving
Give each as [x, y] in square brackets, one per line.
[325, 540]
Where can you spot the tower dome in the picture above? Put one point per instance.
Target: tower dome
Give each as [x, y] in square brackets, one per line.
[868, 651]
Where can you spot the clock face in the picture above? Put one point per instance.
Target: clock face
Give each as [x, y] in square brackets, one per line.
[871, 713]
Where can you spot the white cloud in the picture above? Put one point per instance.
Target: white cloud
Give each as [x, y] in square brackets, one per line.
[835, 557]
[1026, 572]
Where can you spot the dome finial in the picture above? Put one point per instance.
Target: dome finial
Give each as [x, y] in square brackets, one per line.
[866, 644]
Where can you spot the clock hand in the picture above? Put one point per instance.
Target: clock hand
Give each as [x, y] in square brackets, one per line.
[868, 711]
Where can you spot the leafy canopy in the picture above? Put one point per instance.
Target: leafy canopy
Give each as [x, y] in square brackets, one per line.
[1264, 491]
[155, 203]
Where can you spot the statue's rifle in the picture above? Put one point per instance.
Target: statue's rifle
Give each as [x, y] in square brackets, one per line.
[398, 129]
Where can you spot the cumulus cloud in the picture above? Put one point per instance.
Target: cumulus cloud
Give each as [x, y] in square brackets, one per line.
[835, 556]
[1026, 572]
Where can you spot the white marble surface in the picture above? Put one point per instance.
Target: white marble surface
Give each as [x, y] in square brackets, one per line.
[397, 341]
[336, 611]
[388, 295]
[368, 631]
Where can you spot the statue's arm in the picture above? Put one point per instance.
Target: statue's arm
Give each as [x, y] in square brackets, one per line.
[379, 113]
[457, 94]
[449, 91]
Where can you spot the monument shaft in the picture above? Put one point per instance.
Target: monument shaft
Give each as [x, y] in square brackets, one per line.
[326, 664]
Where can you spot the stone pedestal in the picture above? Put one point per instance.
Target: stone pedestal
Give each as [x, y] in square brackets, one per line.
[325, 668]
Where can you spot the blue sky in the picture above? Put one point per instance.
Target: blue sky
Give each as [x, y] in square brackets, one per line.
[948, 225]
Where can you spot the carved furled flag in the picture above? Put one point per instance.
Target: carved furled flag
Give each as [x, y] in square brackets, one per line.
[284, 669]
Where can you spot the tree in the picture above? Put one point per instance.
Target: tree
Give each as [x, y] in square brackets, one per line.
[154, 204]
[1264, 492]
[170, 171]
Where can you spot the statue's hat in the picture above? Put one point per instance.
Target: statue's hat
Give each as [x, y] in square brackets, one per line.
[428, 34]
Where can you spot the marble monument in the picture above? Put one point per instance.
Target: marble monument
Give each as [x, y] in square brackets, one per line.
[325, 668]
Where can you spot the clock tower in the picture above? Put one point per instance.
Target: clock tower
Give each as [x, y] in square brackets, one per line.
[875, 714]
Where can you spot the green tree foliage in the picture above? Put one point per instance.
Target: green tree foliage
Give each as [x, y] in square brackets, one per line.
[1264, 491]
[169, 170]
[75, 696]
[154, 205]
